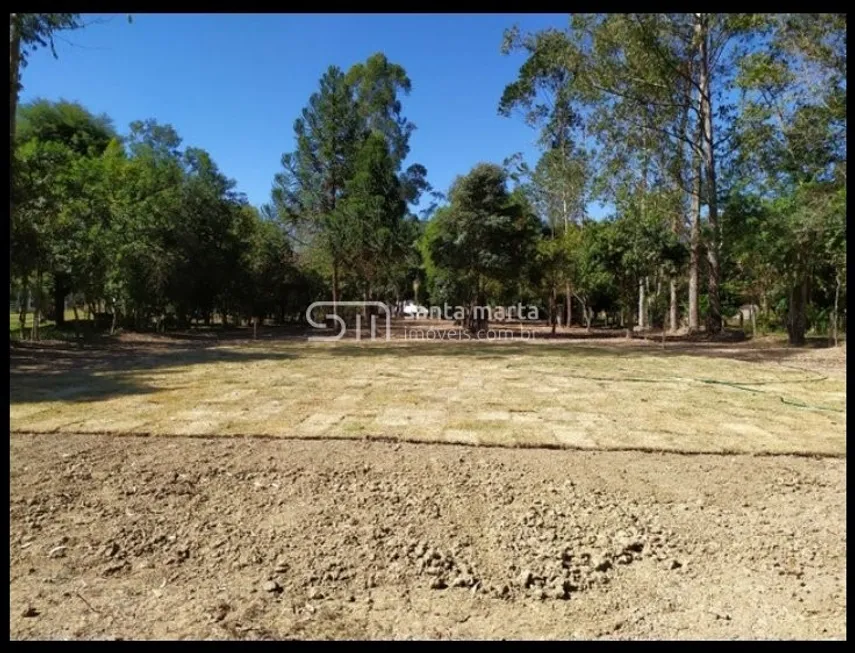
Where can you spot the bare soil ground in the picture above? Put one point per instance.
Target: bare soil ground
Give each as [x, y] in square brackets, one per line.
[125, 537]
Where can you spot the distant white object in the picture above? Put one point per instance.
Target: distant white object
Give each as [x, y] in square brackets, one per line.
[745, 311]
[414, 310]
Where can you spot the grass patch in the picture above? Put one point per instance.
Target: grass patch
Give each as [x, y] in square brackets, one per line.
[47, 327]
[527, 395]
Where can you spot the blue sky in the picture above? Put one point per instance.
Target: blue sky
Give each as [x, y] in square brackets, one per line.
[233, 84]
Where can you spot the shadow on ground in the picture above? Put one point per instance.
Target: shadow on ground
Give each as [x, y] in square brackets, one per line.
[52, 373]
[635, 348]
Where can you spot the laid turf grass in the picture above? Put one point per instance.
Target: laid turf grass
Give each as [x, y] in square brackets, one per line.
[565, 395]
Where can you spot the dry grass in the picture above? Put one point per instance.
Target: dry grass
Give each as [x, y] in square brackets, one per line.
[567, 394]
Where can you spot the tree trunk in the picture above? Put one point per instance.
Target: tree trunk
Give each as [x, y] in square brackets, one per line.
[22, 321]
[14, 71]
[651, 302]
[77, 325]
[836, 305]
[673, 305]
[626, 320]
[695, 256]
[335, 287]
[60, 292]
[569, 304]
[552, 310]
[586, 315]
[37, 309]
[753, 315]
[115, 320]
[476, 323]
[796, 318]
[23, 305]
[679, 218]
[695, 230]
[641, 303]
[714, 318]
[482, 322]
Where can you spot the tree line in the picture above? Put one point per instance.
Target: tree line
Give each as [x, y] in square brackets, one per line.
[717, 142]
[728, 130]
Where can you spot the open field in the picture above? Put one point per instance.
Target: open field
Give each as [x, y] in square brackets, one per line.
[597, 394]
[316, 531]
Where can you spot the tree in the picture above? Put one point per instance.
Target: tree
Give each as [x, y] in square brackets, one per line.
[635, 248]
[594, 286]
[307, 192]
[485, 236]
[649, 84]
[342, 122]
[559, 184]
[370, 215]
[76, 139]
[792, 137]
[377, 84]
[27, 33]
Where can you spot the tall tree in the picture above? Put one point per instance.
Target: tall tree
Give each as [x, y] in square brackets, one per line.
[307, 192]
[70, 128]
[28, 32]
[653, 80]
[370, 215]
[484, 238]
[792, 137]
[545, 93]
[344, 122]
[378, 84]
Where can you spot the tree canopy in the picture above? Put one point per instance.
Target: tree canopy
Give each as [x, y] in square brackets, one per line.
[717, 140]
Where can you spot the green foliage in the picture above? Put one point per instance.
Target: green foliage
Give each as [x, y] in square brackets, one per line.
[341, 191]
[148, 230]
[792, 126]
[64, 122]
[377, 84]
[653, 94]
[369, 218]
[38, 30]
[482, 243]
